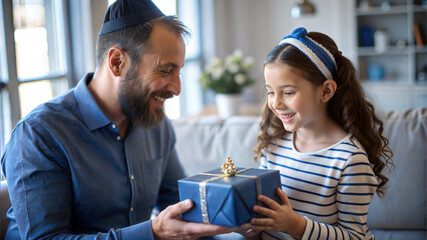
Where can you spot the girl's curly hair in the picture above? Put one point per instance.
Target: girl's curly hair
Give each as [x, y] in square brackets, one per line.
[348, 107]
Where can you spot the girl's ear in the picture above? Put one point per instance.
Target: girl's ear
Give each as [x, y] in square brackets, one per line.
[328, 90]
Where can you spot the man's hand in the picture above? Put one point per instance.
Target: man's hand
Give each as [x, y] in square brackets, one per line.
[169, 225]
[247, 231]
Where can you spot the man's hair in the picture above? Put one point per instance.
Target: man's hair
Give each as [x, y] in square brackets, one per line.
[134, 40]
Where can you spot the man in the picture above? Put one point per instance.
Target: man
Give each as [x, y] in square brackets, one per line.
[94, 162]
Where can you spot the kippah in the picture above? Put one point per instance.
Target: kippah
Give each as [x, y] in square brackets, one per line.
[126, 13]
[319, 55]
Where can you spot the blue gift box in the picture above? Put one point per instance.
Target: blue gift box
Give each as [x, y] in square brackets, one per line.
[227, 201]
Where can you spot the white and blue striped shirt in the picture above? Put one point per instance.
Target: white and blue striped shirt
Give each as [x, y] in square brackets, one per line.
[332, 187]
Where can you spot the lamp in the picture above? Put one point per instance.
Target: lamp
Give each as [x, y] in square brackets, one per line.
[303, 7]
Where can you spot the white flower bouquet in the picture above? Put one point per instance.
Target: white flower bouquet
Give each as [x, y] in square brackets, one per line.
[228, 76]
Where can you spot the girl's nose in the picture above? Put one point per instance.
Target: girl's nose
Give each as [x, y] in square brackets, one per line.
[278, 103]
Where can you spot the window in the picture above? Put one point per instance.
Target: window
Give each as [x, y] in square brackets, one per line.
[191, 97]
[39, 51]
[33, 57]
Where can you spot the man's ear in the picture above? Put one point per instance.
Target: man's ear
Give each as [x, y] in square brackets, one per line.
[328, 90]
[116, 61]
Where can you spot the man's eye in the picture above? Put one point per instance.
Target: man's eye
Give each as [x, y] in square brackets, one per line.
[165, 70]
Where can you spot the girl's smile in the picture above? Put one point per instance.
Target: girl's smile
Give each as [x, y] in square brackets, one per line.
[286, 118]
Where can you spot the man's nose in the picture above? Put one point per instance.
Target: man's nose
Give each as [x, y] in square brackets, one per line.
[174, 86]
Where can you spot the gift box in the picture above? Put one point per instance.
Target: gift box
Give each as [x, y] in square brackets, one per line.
[227, 200]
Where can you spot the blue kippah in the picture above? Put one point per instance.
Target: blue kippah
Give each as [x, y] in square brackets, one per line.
[126, 13]
[319, 55]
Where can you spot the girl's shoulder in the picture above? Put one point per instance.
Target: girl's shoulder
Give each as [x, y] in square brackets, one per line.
[350, 143]
[358, 153]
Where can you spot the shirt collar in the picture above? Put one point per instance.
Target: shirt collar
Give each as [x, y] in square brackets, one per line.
[92, 115]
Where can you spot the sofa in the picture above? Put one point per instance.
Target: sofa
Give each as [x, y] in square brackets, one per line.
[4, 206]
[204, 142]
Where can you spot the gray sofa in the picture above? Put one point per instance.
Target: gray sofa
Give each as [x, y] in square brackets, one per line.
[4, 206]
[203, 143]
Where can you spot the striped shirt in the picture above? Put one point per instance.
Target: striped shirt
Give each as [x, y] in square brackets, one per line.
[331, 188]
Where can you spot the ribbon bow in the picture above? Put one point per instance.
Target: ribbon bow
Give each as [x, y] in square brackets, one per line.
[298, 33]
[228, 168]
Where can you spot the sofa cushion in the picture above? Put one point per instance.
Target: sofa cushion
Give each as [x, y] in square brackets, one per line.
[404, 205]
[204, 143]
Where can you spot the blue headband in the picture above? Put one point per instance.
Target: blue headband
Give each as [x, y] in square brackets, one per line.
[317, 54]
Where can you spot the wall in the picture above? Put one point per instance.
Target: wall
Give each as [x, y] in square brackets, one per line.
[86, 20]
[256, 27]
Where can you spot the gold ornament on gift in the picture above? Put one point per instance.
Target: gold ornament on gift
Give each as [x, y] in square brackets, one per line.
[228, 168]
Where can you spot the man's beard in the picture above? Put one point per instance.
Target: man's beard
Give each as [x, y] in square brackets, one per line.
[134, 100]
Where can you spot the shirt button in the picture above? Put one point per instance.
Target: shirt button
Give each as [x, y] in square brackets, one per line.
[113, 125]
[132, 177]
[131, 209]
[118, 138]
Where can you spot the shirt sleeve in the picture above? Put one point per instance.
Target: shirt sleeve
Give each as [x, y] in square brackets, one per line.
[355, 190]
[39, 183]
[262, 162]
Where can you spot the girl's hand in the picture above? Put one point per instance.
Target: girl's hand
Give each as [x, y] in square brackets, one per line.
[278, 217]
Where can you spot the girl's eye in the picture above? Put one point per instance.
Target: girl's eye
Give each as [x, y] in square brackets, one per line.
[269, 93]
[288, 93]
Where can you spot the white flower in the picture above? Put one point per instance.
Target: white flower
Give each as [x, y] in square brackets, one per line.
[215, 62]
[248, 62]
[233, 68]
[240, 79]
[229, 60]
[237, 53]
[217, 73]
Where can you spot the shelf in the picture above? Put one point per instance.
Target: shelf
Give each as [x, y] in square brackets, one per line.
[420, 8]
[380, 11]
[398, 66]
[391, 83]
[370, 51]
[420, 50]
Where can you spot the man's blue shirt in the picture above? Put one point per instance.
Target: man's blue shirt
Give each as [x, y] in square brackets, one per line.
[70, 174]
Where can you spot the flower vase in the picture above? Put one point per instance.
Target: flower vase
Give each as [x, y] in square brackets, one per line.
[228, 104]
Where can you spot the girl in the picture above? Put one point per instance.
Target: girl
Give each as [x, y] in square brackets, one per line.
[324, 137]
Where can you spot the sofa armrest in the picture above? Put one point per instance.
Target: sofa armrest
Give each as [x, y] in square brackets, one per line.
[4, 206]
